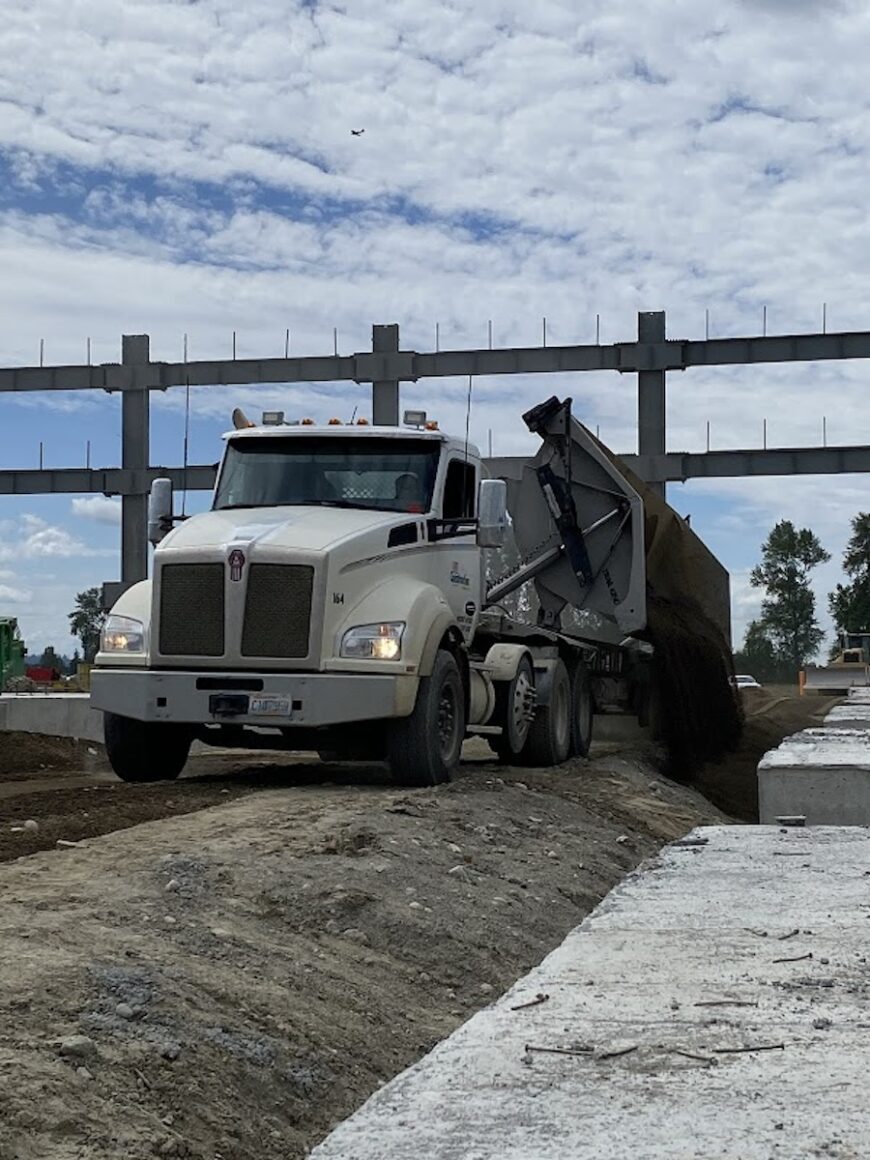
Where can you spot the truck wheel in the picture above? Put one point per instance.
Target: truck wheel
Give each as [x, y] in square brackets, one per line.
[145, 750]
[514, 711]
[581, 710]
[423, 749]
[549, 740]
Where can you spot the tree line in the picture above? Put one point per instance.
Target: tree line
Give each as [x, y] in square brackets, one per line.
[787, 634]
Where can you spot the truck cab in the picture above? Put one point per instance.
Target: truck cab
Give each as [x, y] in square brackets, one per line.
[336, 564]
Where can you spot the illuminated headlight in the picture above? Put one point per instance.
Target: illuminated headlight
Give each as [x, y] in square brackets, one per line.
[380, 642]
[123, 634]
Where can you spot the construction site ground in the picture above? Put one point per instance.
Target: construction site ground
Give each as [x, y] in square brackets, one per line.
[231, 981]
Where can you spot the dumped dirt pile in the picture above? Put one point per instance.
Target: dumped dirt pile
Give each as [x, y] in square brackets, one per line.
[233, 982]
[24, 753]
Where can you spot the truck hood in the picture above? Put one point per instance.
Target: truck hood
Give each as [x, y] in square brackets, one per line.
[310, 529]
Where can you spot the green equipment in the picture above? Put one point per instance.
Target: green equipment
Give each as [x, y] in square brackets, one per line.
[11, 651]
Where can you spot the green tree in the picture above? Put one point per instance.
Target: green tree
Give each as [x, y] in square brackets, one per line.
[788, 611]
[87, 620]
[850, 603]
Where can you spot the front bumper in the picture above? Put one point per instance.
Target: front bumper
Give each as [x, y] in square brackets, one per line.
[279, 699]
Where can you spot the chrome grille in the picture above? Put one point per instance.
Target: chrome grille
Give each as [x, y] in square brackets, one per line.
[278, 610]
[192, 610]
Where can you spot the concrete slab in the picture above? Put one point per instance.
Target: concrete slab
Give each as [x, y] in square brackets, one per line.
[823, 774]
[54, 714]
[714, 1005]
[849, 715]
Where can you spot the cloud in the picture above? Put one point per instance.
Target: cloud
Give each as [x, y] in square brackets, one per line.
[100, 508]
[14, 595]
[33, 538]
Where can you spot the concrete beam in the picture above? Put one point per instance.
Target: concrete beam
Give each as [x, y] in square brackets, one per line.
[396, 365]
[135, 453]
[651, 406]
[104, 480]
[385, 391]
[678, 466]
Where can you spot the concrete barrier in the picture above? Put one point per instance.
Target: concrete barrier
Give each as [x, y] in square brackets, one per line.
[823, 774]
[53, 714]
[849, 715]
[673, 1022]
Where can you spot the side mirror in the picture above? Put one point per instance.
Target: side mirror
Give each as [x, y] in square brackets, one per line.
[492, 513]
[159, 510]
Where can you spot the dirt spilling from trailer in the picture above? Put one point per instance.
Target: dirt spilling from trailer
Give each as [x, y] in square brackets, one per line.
[696, 710]
[232, 982]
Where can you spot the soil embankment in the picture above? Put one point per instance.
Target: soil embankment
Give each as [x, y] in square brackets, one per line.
[234, 981]
[231, 981]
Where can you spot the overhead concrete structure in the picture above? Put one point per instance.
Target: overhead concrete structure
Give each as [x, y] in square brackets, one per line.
[386, 367]
[713, 1005]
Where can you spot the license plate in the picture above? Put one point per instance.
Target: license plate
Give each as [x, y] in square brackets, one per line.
[269, 707]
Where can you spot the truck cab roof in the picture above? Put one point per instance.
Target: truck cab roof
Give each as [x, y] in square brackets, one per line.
[348, 431]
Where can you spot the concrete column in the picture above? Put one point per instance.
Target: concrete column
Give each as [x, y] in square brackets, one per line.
[135, 454]
[651, 394]
[385, 394]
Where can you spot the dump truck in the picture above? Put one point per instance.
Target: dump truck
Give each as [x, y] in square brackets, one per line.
[849, 669]
[340, 597]
[12, 651]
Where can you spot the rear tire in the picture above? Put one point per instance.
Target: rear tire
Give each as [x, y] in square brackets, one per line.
[145, 751]
[581, 710]
[514, 712]
[424, 749]
[549, 740]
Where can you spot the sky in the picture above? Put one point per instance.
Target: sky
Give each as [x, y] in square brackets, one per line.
[188, 168]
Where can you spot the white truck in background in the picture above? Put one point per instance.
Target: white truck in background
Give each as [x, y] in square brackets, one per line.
[335, 599]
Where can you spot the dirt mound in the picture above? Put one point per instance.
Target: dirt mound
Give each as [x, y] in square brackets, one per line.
[234, 982]
[22, 754]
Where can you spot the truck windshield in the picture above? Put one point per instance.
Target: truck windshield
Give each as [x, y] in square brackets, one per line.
[367, 472]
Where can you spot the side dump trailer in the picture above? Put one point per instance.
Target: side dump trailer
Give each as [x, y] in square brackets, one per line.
[336, 598]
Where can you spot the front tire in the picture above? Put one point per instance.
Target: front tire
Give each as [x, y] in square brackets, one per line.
[145, 751]
[424, 749]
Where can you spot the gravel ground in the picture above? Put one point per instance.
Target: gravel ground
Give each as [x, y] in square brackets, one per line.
[232, 982]
[227, 966]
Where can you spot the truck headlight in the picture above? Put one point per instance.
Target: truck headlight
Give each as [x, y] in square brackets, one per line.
[380, 642]
[123, 634]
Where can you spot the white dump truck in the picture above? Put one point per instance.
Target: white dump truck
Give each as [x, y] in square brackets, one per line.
[336, 598]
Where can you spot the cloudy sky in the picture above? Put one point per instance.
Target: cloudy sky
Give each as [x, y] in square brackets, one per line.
[177, 167]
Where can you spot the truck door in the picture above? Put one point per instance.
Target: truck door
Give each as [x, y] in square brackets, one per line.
[460, 575]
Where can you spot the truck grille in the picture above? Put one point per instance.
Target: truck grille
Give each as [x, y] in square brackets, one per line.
[192, 610]
[278, 611]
